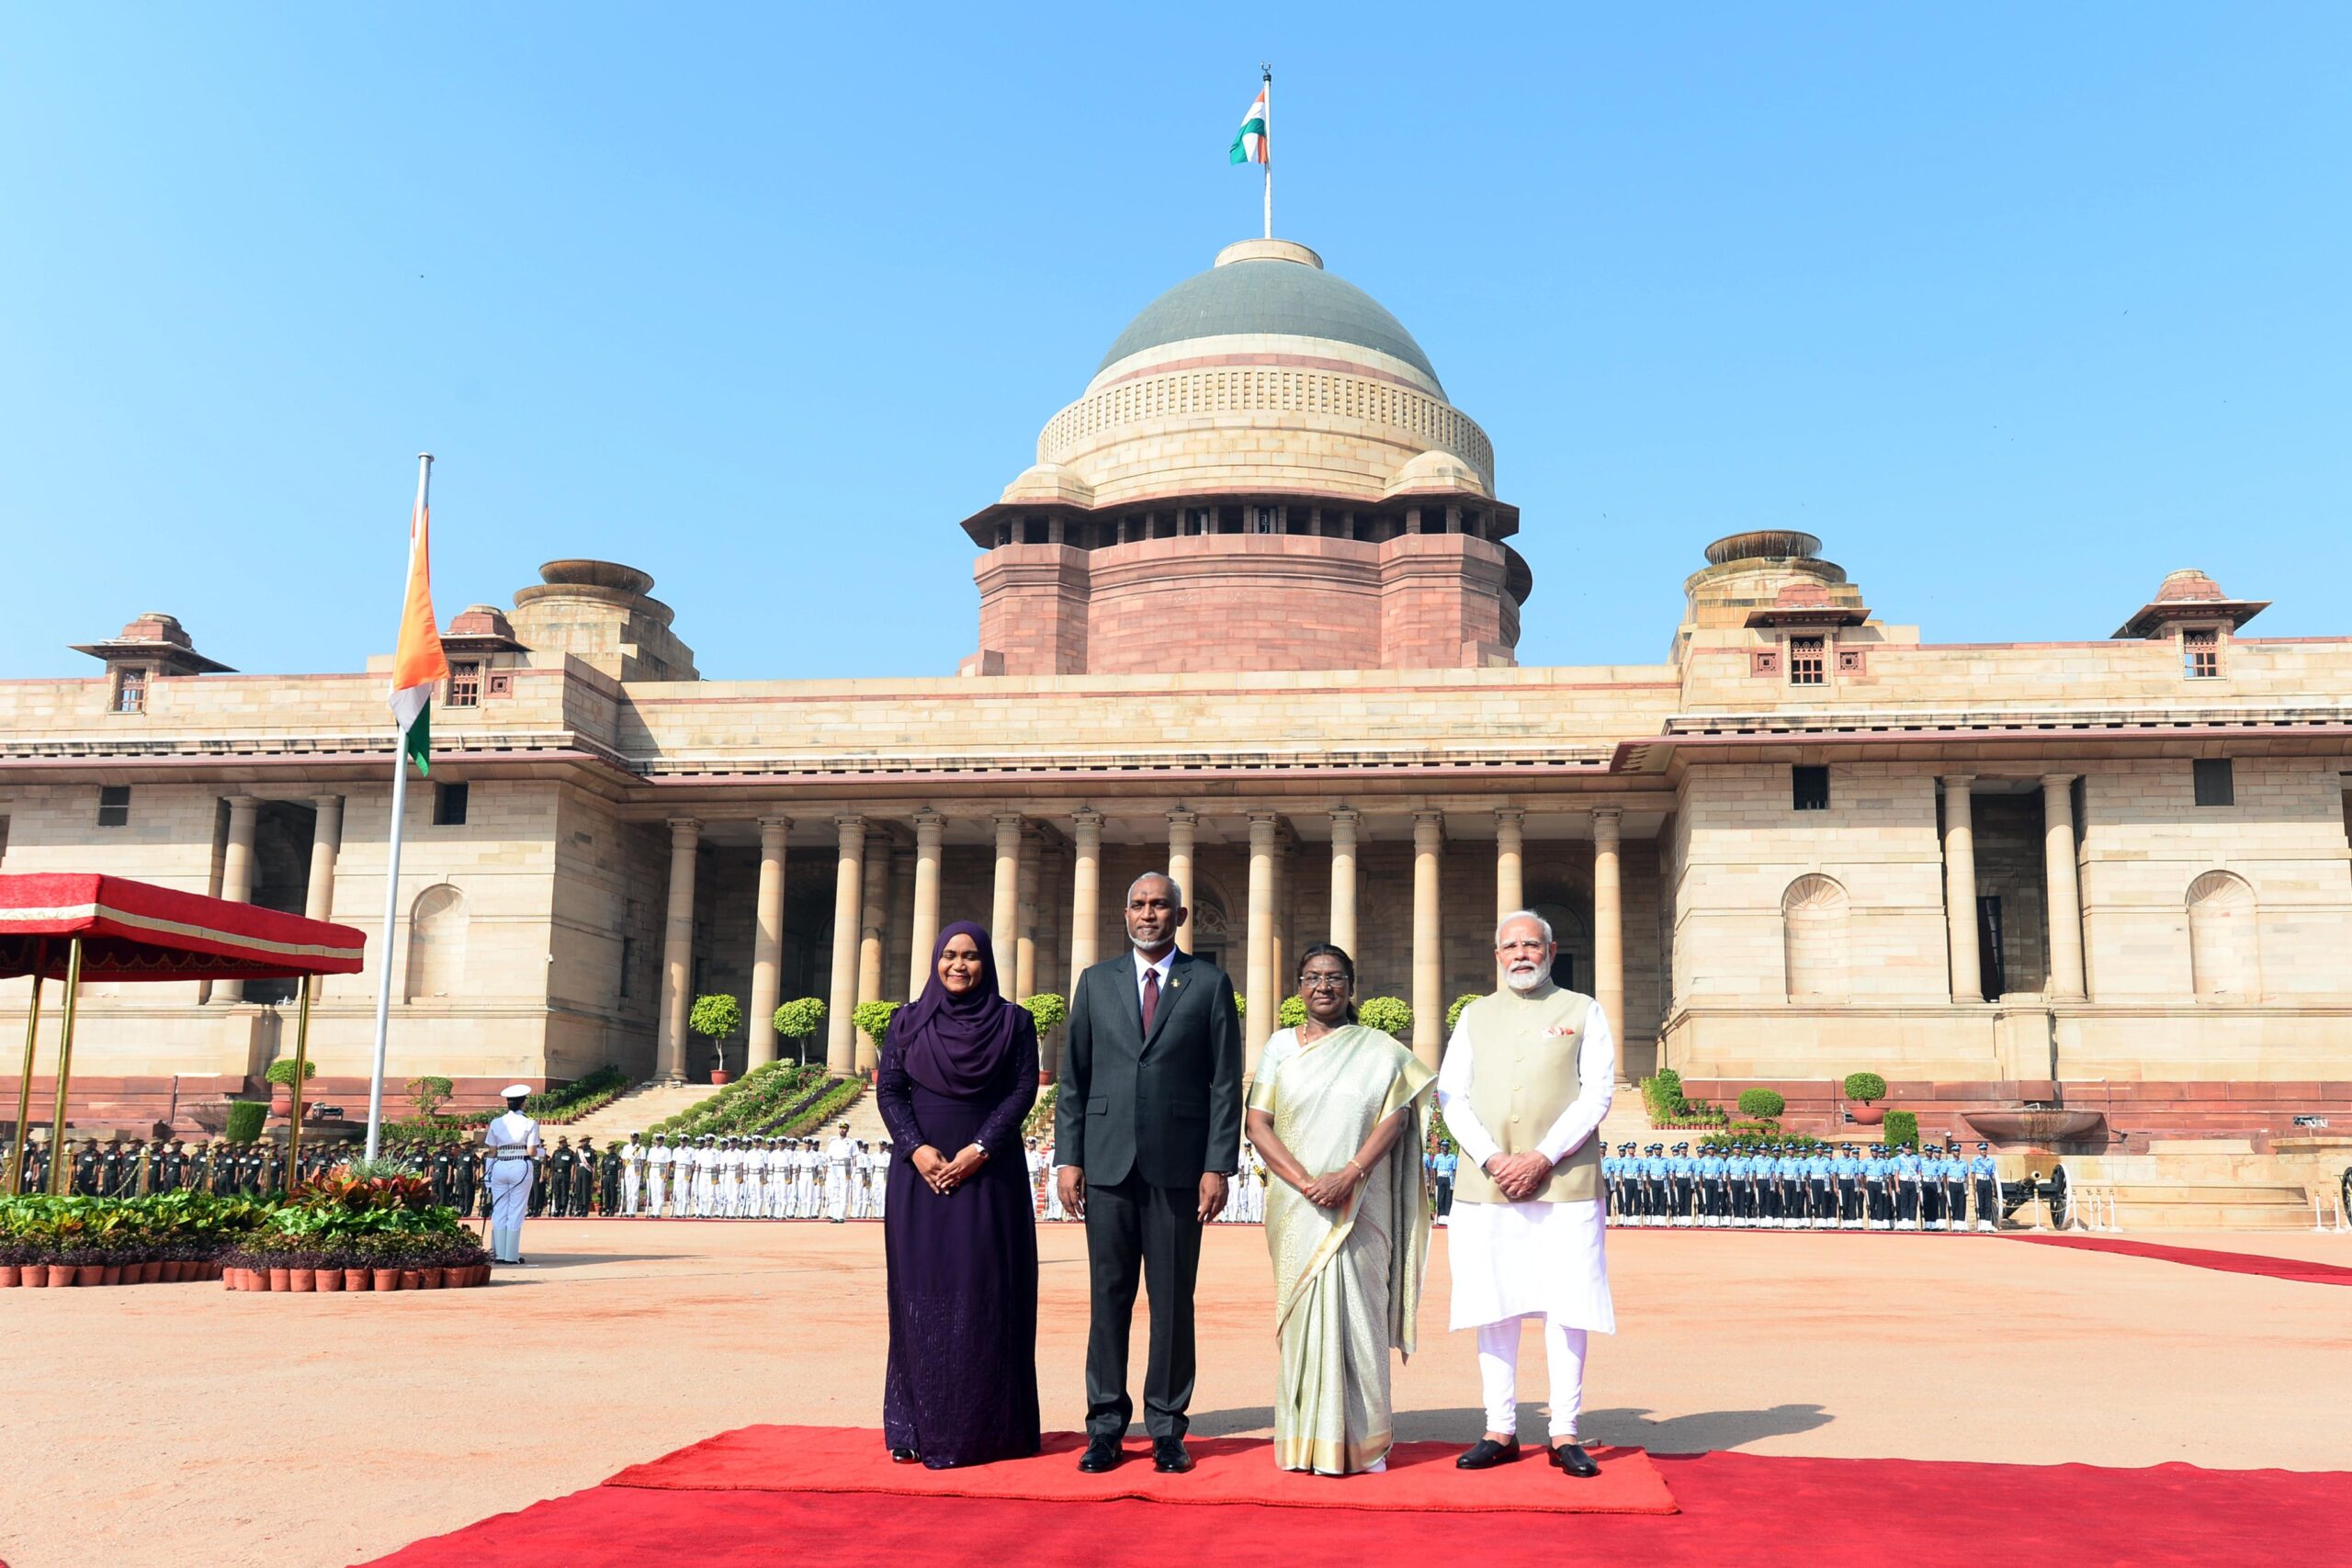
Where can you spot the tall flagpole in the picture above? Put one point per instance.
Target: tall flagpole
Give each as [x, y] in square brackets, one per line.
[1269, 69]
[392, 875]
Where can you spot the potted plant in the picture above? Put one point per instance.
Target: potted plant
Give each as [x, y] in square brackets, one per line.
[1392, 1016]
[280, 1076]
[1863, 1089]
[715, 1017]
[797, 1020]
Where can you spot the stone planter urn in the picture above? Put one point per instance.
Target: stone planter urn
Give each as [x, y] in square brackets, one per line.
[1868, 1115]
[720, 1077]
[281, 1103]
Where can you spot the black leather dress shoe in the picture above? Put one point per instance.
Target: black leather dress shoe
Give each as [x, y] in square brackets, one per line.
[1167, 1456]
[905, 1456]
[1102, 1454]
[1572, 1458]
[1486, 1454]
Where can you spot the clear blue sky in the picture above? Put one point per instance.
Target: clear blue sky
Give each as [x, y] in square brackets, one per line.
[2018, 307]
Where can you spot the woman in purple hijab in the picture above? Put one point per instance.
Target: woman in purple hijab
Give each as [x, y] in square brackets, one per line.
[959, 1072]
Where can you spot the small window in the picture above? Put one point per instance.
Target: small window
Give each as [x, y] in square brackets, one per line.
[499, 683]
[1265, 520]
[130, 690]
[449, 806]
[465, 683]
[114, 805]
[2215, 786]
[2200, 655]
[628, 957]
[1808, 659]
[1809, 789]
[1764, 661]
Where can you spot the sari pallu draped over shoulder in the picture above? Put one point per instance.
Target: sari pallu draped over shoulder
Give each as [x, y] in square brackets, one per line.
[1347, 1282]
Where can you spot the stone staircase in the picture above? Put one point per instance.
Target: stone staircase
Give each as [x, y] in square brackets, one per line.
[638, 1110]
[2196, 1184]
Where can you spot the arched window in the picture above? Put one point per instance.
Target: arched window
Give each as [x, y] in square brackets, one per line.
[2222, 959]
[1813, 934]
[436, 943]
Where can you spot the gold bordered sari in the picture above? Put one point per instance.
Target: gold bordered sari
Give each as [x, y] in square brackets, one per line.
[1347, 1282]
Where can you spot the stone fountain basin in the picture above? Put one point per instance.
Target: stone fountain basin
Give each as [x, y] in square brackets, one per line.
[2035, 1126]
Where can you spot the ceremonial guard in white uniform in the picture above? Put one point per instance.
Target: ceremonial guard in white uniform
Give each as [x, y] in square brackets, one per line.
[511, 1149]
[841, 1155]
[657, 1174]
[806, 1183]
[632, 1174]
[1527, 1080]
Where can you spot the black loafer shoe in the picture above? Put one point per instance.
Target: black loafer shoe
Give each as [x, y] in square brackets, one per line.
[1486, 1454]
[1169, 1457]
[1571, 1457]
[1103, 1455]
[905, 1456]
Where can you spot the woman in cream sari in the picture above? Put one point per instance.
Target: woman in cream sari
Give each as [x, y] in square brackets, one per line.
[1338, 1115]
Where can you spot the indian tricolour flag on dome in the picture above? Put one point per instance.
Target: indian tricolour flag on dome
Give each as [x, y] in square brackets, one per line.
[418, 664]
[1249, 141]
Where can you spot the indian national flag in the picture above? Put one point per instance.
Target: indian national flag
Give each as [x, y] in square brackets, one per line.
[1249, 141]
[418, 664]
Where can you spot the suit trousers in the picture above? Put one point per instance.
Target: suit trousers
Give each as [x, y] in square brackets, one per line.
[1136, 1232]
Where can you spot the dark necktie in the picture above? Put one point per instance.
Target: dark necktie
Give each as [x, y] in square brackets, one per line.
[1150, 997]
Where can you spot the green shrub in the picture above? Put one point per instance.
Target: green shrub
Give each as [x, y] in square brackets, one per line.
[1048, 1008]
[1661, 1092]
[245, 1120]
[1453, 1014]
[1865, 1087]
[1240, 1005]
[1292, 1013]
[1902, 1127]
[1762, 1102]
[281, 1071]
[430, 1093]
[873, 1020]
[1749, 1137]
[1039, 1122]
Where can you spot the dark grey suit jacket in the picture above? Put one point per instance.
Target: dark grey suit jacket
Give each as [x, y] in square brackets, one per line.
[1169, 1106]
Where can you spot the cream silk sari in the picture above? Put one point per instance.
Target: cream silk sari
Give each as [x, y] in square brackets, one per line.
[1347, 1283]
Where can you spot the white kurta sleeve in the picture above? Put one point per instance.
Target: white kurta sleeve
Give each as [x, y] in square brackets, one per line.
[1596, 1087]
[1476, 1144]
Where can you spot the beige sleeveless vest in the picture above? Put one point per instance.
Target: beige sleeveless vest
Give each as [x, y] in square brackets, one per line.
[1522, 1079]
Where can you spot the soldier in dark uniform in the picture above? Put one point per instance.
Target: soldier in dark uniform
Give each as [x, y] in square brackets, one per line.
[461, 1180]
[608, 1180]
[436, 1174]
[175, 1166]
[109, 1171]
[552, 1194]
[583, 1180]
[83, 1180]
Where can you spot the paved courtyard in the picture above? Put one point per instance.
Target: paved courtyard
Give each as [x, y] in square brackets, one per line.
[186, 1424]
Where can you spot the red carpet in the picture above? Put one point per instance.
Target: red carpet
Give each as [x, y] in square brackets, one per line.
[1420, 1476]
[1737, 1511]
[2302, 1270]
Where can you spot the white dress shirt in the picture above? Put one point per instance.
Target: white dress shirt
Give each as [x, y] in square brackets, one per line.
[1158, 966]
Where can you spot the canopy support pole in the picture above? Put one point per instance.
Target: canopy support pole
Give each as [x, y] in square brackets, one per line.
[301, 1069]
[60, 1167]
[25, 1078]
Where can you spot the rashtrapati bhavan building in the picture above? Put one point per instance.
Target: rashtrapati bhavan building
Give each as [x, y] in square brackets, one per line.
[1252, 615]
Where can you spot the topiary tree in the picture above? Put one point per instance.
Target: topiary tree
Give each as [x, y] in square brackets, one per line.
[1865, 1087]
[430, 1093]
[873, 1020]
[1292, 1013]
[1390, 1015]
[1902, 1127]
[1453, 1014]
[1763, 1102]
[1048, 1008]
[797, 1020]
[715, 1017]
[281, 1071]
[247, 1118]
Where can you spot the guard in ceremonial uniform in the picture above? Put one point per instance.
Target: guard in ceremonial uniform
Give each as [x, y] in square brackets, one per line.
[1846, 1172]
[559, 1197]
[515, 1150]
[1985, 1178]
[1875, 1171]
[1821, 1193]
[633, 1174]
[1612, 1200]
[1906, 1188]
[1715, 1199]
[1681, 1184]
[1955, 1176]
[1739, 1175]
[462, 1183]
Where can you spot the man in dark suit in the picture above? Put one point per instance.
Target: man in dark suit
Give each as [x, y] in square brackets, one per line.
[1146, 1132]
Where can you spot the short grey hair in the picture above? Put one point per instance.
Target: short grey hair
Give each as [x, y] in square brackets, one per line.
[1175, 888]
[1540, 924]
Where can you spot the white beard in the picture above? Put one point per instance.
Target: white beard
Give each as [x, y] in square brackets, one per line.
[1526, 982]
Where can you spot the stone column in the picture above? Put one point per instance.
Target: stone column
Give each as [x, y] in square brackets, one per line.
[1609, 926]
[1510, 859]
[1004, 914]
[1025, 949]
[1180, 826]
[237, 875]
[327, 842]
[849, 876]
[873, 925]
[929, 825]
[678, 947]
[1282, 959]
[1960, 891]
[1085, 893]
[2065, 891]
[1344, 823]
[1429, 952]
[768, 943]
[1263, 1000]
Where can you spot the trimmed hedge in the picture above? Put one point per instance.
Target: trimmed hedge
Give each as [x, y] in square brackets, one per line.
[1727, 1142]
[1391, 1015]
[245, 1120]
[1902, 1127]
[1763, 1102]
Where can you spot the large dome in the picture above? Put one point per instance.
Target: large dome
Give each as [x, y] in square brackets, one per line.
[1270, 287]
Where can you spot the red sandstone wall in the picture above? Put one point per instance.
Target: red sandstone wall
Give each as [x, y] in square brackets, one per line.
[1033, 608]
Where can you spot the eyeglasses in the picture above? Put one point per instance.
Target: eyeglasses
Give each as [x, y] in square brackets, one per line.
[1323, 982]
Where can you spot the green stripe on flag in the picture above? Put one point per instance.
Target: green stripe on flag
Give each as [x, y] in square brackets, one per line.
[1250, 127]
[418, 741]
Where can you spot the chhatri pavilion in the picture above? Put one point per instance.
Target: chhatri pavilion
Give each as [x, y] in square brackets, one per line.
[1250, 617]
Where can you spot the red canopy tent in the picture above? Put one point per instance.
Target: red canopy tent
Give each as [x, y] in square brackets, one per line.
[62, 926]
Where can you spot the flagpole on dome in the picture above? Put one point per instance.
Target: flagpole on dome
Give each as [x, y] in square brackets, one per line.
[1267, 66]
[418, 665]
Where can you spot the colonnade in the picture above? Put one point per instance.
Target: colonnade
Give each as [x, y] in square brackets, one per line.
[2061, 883]
[861, 917]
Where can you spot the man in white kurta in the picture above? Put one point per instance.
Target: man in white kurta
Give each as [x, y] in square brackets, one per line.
[1528, 1076]
[841, 1155]
[512, 1149]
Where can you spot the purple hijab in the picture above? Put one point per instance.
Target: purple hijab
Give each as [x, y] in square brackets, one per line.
[956, 1045]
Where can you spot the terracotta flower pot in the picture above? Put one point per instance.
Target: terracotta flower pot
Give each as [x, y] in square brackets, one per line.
[8, 1275]
[60, 1274]
[282, 1101]
[721, 1077]
[280, 1278]
[301, 1279]
[358, 1279]
[216, 1269]
[1868, 1115]
[479, 1274]
[330, 1279]
[151, 1271]
[387, 1279]
[86, 1274]
[111, 1274]
[433, 1277]
[411, 1279]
